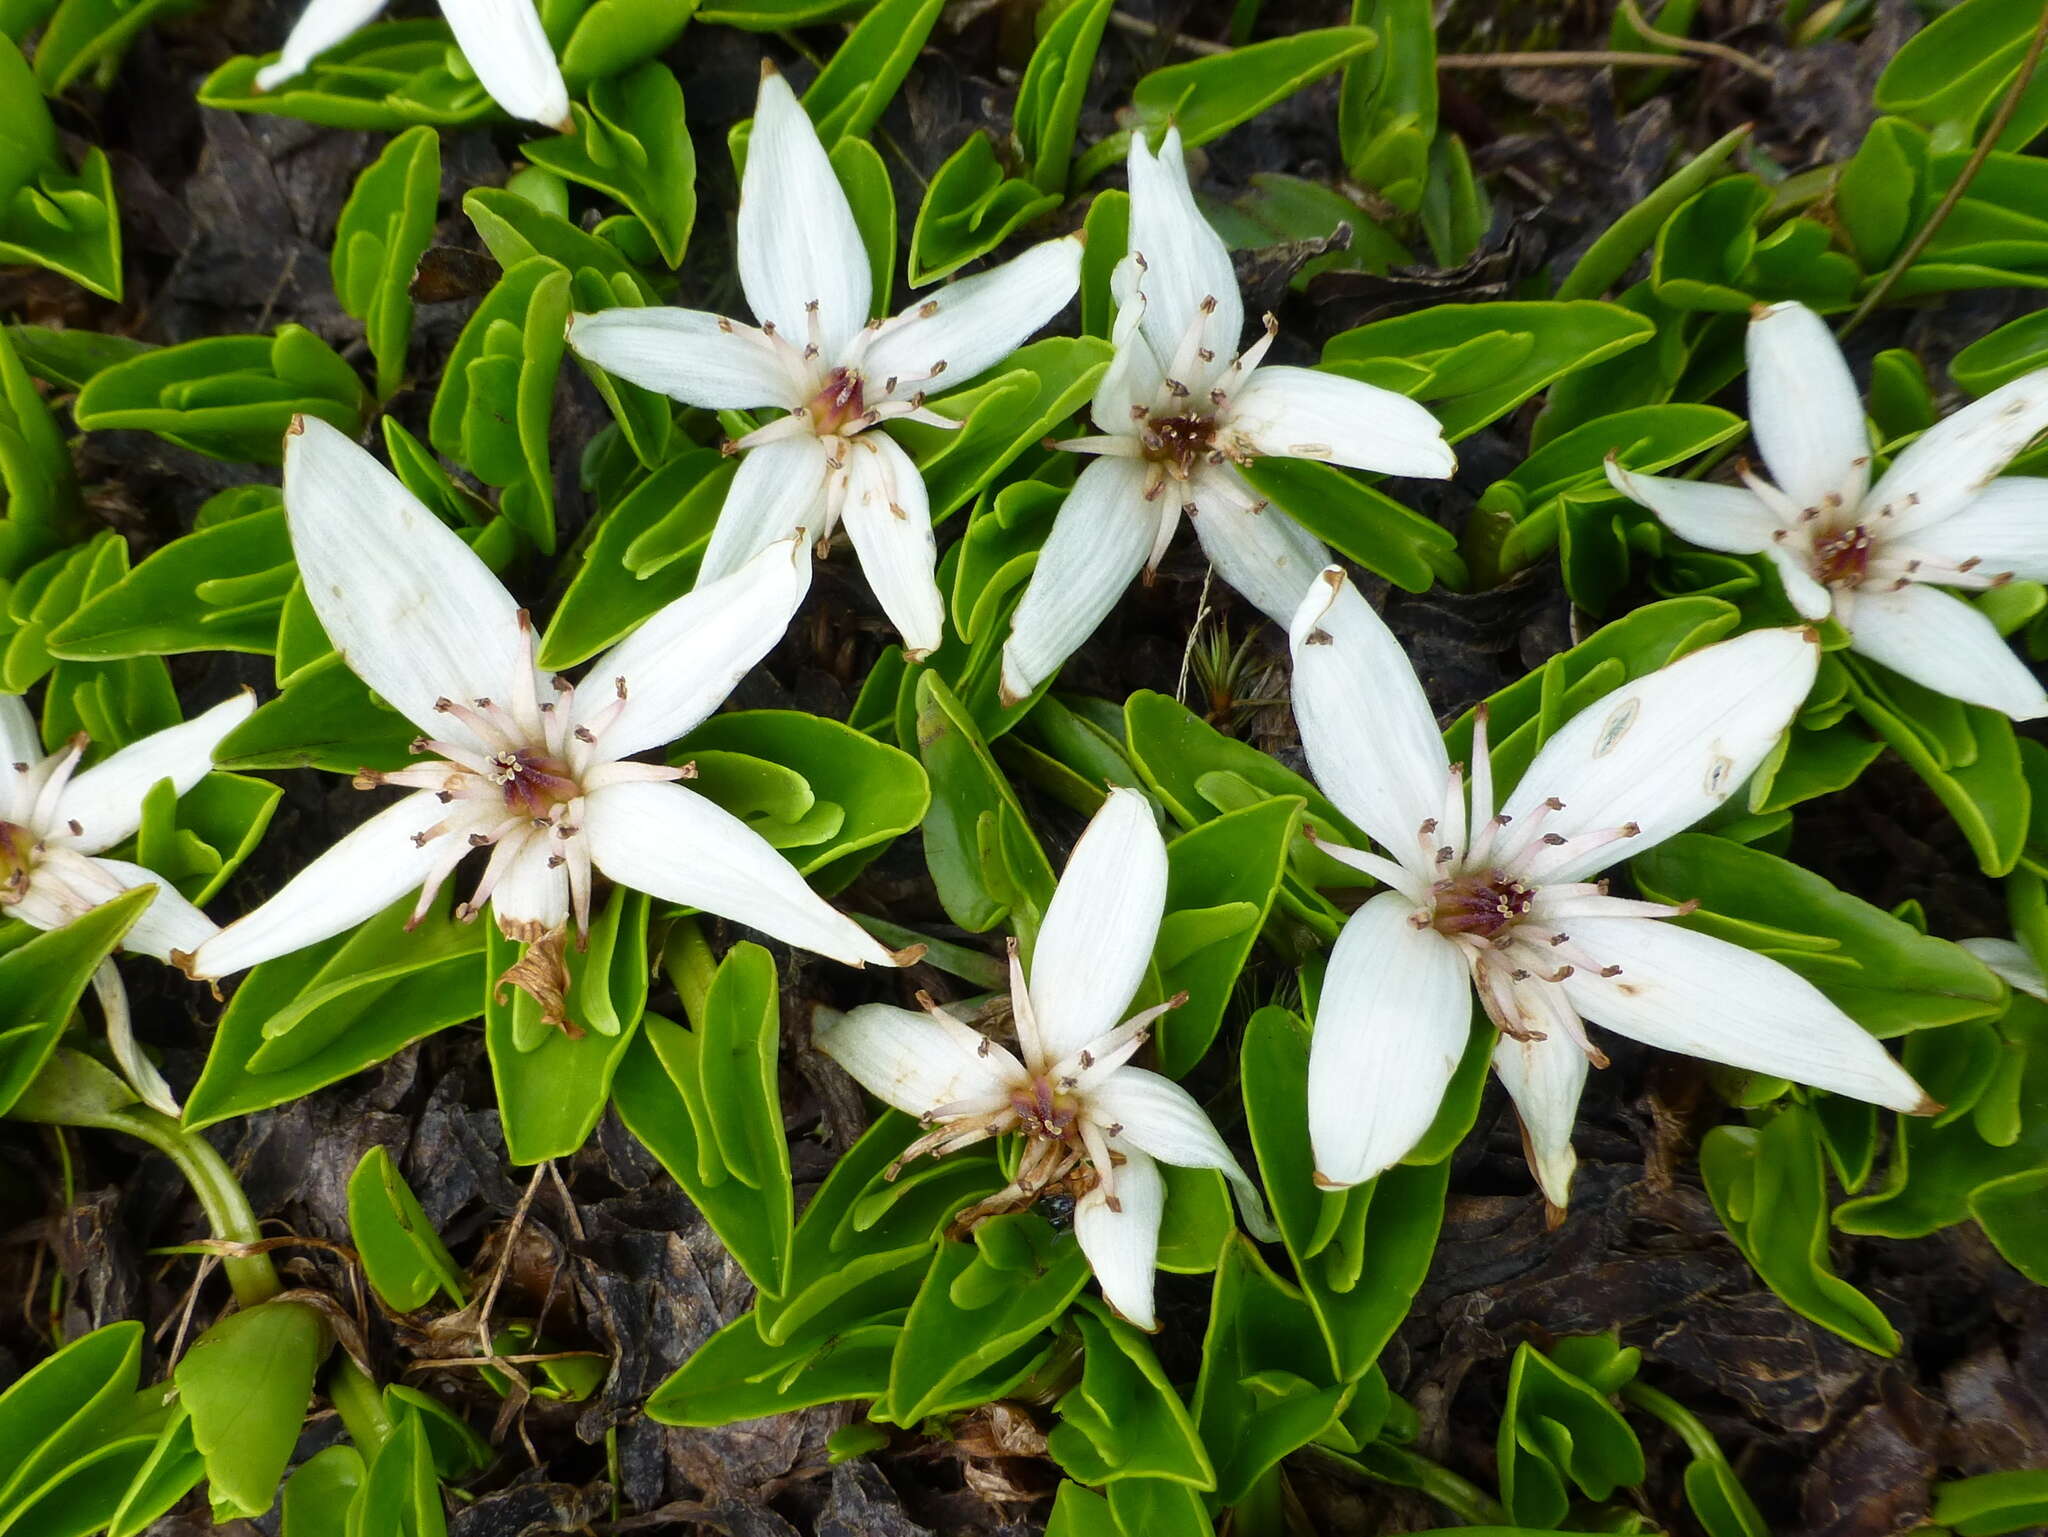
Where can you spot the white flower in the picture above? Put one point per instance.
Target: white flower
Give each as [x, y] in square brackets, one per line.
[1093, 1123]
[54, 824]
[816, 355]
[1877, 556]
[521, 763]
[1178, 413]
[1508, 903]
[501, 39]
[2013, 962]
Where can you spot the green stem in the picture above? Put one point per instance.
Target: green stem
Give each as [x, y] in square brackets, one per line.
[690, 965]
[1677, 1418]
[228, 1212]
[1408, 1470]
[361, 1407]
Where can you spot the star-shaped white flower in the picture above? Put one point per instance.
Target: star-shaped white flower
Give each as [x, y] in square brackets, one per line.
[1179, 410]
[816, 355]
[1093, 1124]
[501, 39]
[55, 822]
[520, 762]
[1877, 556]
[1508, 902]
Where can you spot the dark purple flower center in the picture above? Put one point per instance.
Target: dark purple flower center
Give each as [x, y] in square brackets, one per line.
[1481, 904]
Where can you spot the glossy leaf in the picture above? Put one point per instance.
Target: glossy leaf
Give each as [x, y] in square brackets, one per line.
[403, 1257]
[386, 226]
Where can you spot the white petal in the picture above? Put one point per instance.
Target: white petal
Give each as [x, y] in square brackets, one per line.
[1123, 1246]
[530, 899]
[1804, 409]
[1544, 1078]
[699, 359]
[798, 243]
[1100, 538]
[1134, 376]
[2014, 962]
[2004, 529]
[1395, 1012]
[320, 26]
[168, 923]
[972, 325]
[1302, 413]
[106, 800]
[1096, 940]
[682, 663]
[505, 45]
[778, 491]
[1186, 263]
[20, 742]
[360, 876]
[1809, 599]
[1710, 516]
[674, 844]
[1661, 752]
[1945, 644]
[1367, 728]
[408, 605]
[1687, 992]
[1955, 460]
[910, 1060]
[1265, 555]
[889, 520]
[1159, 1117]
[135, 1066]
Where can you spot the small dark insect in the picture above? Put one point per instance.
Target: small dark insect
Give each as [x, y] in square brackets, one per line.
[1057, 1207]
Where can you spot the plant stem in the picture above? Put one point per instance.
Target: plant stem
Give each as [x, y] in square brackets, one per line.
[360, 1405]
[1926, 233]
[690, 966]
[228, 1212]
[1409, 1470]
[1676, 1418]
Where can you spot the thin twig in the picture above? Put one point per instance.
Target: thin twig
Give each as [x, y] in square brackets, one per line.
[424, 1364]
[1699, 46]
[1554, 58]
[1187, 655]
[1926, 233]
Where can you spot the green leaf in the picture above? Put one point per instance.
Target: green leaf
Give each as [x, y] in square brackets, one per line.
[321, 1492]
[382, 77]
[1386, 111]
[612, 36]
[736, 1375]
[1556, 1429]
[170, 1472]
[2009, 1210]
[385, 227]
[1955, 71]
[403, 1257]
[1360, 522]
[65, 221]
[853, 89]
[1609, 257]
[229, 397]
[42, 978]
[631, 144]
[1049, 99]
[247, 1382]
[1480, 361]
[315, 1016]
[1123, 1419]
[62, 1407]
[977, 843]
[83, 33]
[65, 359]
[2014, 349]
[1875, 191]
[493, 409]
[1769, 1187]
[39, 507]
[970, 208]
[1993, 1503]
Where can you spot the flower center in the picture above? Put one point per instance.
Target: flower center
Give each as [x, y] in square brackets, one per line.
[1842, 559]
[1481, 904]
[838, 406]
[532, 781]
[1043, 1111]
[1179, 441]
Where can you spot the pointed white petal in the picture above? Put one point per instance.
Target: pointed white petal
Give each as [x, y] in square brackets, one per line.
[2005, 529]
[408, 605]
[1099, 540]
[1955, 460]
[1804, 409]
[972, 325]
[798, 241]
[320, 26]
[1096, 940]
[1945, 644]
[19, 740]
[1367, 728]
[889, 519]
[699, 359]
[168, 923]
[910, 1060]
[360, 876]
[1661, 752]
[1395, 1012]
[778, 492]
[1544, 1078]
[1123, 1246]
[1710, 516]
[1132, 381]
[1186, 263]
[674, 844]
[2014, 962]
[136, 1067]
[106, 800]
[1687, 992]
[505, 45]
[1302, 413]
[1265, 555]
[679, 666]
[530, 898]
[1809, 599]
[1159, 1117]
